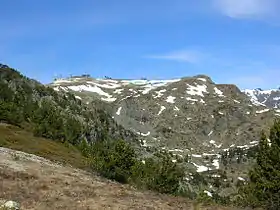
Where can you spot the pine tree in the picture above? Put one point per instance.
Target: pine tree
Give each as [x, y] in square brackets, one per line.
[264, 186]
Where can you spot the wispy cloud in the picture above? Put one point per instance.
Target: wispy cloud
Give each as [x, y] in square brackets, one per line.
[187, 56]
[247, 8]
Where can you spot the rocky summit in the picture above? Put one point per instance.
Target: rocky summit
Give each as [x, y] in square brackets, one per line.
[190, 117]
[268, 98]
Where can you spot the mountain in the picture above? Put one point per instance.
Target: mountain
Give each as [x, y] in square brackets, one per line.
[268, 98]
[55, 115]
[211, 130]
[190, 116]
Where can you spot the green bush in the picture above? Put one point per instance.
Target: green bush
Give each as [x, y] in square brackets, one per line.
[113, 159]
[117, 160]
[159, 174]
[264, 186]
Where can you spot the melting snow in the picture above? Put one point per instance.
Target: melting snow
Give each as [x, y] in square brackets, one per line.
[159, 93]
[218, 92]
[242, 147]
[61, 81]
[241, 179]
[221, 113]
[119, 111]
[191, 99]
[209, 134]
[197, 90]
[208, 193]
[144, 134]
[262, 111]
[216, 163]
[150, 84]
[202, 79]
[214, 143]
[78, 97]
[207, 154]
[200, 168]
[109, 99]
[176, 108]
[107, 85]
[197, 156]
[254, 142]
[189, 118]
[118, 91]
[175, 150]
[89, 88]
[252, 94]
[236, 101]
[170, 99]
[162, 108]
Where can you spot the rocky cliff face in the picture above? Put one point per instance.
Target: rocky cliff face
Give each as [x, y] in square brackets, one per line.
[189, 116]
[268, 98]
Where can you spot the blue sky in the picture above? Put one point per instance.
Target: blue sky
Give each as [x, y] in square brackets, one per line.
[232, 41]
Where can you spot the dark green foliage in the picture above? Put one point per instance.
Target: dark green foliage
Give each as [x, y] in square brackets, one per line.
[113, 159]
[159, 174]
[117, 160]
[50, 114]
[264, 186]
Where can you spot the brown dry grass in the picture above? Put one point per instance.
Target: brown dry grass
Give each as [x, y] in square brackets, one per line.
[18, 139]
[37, 183]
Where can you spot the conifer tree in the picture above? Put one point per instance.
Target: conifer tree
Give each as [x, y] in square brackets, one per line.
[264, 186]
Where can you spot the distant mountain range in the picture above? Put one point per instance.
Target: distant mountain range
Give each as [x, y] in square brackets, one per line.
[268, 98]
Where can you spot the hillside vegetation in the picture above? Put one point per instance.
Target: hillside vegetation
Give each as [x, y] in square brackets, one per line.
[58, 126]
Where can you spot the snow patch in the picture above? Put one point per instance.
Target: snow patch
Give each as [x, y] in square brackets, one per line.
[202, 79]
[197, 156]
[119, 111]
[109, 99]
[170, 99]
[241, 179]
[216, 163]
[254, 142]
[262, 111]
[197, 90]
[162, 108]
[144, 134]
[218, 92]
[191, 99]
[209, 134]
[159, 93]
[208, 193]
[236, 101]
[200, 168]
[106, 86]
[118, 91]
[176, 108]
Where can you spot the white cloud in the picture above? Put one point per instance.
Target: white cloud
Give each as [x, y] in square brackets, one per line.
[247, 8]
[179, 56]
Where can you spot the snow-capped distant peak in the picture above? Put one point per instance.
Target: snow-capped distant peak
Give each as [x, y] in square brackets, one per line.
[269, 98]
